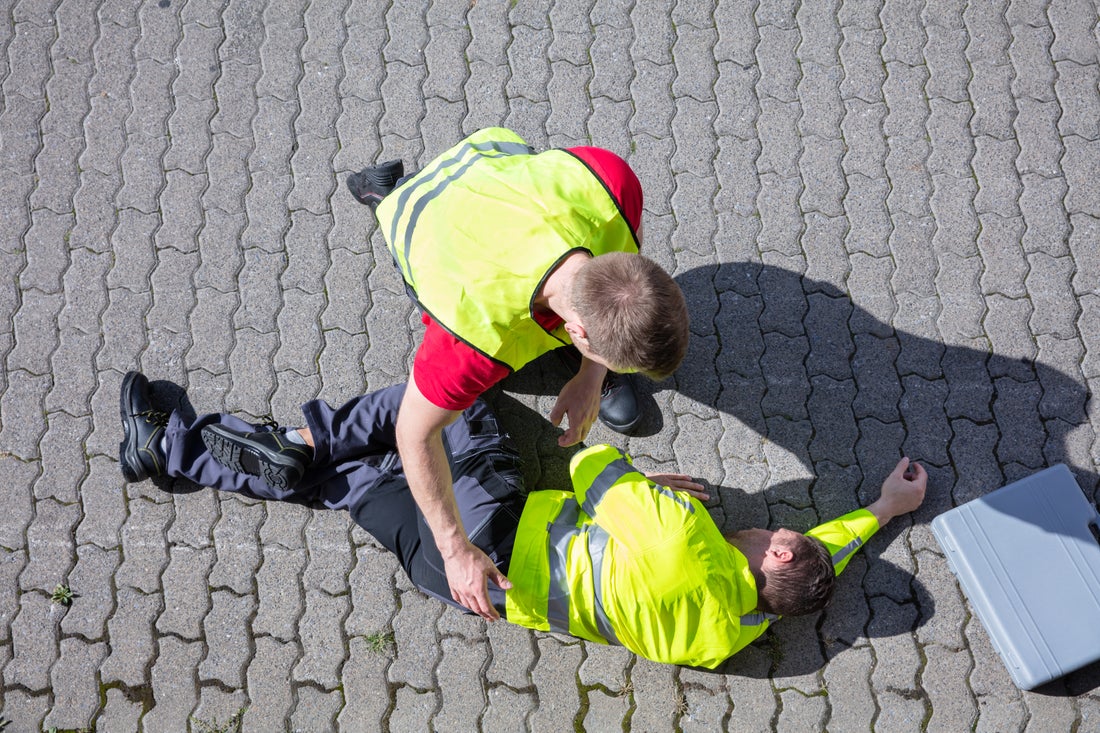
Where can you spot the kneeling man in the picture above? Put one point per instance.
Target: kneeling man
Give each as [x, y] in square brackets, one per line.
[623, 558]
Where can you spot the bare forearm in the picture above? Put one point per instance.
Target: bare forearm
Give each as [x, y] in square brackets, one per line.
[429, 476]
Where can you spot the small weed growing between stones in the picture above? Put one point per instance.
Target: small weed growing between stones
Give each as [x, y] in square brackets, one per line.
[232, 725]
[62, 595]
[379, 642]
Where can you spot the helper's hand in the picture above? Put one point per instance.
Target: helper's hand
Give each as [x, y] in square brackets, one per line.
[467, 570]
[902, 491]
[580, 402]
[680, 482]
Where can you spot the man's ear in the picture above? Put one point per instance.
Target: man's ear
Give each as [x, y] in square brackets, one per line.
[781, 554]
[577, 331]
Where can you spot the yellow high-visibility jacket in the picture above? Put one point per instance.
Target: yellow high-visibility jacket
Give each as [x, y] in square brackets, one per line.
[622, 560]
[478, 230]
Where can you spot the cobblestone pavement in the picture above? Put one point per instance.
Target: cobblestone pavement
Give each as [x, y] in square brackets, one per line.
[886, 220]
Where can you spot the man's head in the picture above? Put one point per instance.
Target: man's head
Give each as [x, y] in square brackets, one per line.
[632, 315]
[794, 573]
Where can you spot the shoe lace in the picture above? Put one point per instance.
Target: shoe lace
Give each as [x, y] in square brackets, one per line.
[157, 417]
[268, 421]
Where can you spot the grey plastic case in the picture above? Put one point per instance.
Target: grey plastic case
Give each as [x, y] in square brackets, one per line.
[1029, 563]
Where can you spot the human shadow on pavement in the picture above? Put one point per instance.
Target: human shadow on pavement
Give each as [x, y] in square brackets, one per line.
[844, 395]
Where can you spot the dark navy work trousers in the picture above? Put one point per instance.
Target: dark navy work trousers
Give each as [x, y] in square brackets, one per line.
[356, 467]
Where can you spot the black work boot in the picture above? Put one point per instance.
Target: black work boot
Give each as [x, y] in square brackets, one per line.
[370, 185]
[618, 398]
[619, 403]
[280, 462]
[140, 454]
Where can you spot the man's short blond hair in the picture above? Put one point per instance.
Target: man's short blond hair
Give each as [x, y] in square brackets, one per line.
[633, 312]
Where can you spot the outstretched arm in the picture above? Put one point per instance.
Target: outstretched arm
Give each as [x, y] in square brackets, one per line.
[420, 442]
[902, 492]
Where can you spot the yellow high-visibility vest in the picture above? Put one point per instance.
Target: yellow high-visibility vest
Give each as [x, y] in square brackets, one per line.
[478, 230]
[624, 561]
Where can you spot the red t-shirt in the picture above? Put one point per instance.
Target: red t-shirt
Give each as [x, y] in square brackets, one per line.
[452, 374]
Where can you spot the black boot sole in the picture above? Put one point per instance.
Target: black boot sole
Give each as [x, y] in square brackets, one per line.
[229, 449]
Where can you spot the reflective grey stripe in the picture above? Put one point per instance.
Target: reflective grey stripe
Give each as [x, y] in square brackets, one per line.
[611, 473]
[756, 618]
[504, 148]
[597, 543]
[848, 549]
[561, 530]
[614, 471]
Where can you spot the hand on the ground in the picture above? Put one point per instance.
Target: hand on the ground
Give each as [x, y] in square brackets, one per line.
[680, 482]
[579, 401]
[467, 571]
[902, 491]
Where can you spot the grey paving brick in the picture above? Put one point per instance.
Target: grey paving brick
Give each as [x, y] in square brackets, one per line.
[1007, 316]
[944, 54]
[173, 675]
[104, 505]
[553, 675]
[461, 686]
[413, 709]
[604, 711]
[1048, 280]
[26, 708]
[63, 458]
[851, 700]
[270, 697]
[860, 54]
[1084, 194]
[229, 646]
[514, 652]
[279, 593]
[801, 712]
[780, 215]
[753, 697]
[323, 646]
[186, 592]
[34, 642]
[73, 680]
[417, 645]
[952, 147]
[234, 541]
[1076, 89]
[654, 695]
[119, 711]
[1045, 218]
[824, 186]
[254, 394]
[1002, 257]
[134, 647]
[49, 542]
[865, 206]
[213, 318]
[11, 565]
[1073, 40]
[217, 706]
[143, 551]
[900, 712]
[330, 552]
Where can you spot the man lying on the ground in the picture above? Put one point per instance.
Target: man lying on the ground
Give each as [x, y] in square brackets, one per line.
[623, 558]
